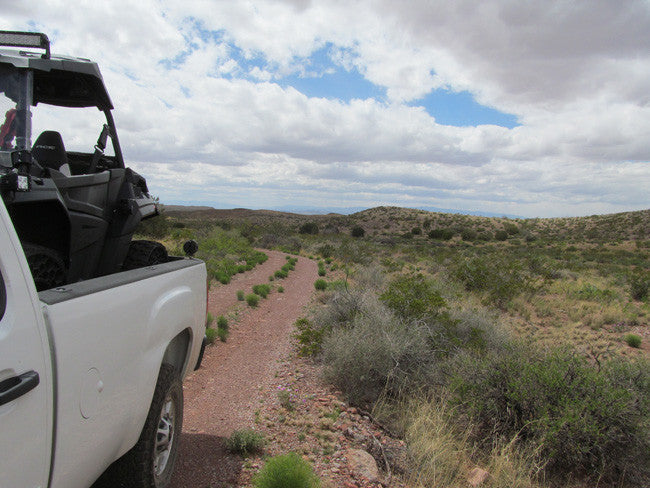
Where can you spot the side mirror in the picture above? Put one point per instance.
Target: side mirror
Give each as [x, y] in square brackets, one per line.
[190, 247]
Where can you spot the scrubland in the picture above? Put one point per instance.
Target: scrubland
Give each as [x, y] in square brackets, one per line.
[520, 346]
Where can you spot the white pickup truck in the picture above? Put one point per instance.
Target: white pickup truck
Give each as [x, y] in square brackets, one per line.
[90, 372]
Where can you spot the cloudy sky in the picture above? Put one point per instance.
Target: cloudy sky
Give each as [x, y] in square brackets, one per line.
[531, 108]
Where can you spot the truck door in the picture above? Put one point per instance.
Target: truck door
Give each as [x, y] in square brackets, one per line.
[26, 408]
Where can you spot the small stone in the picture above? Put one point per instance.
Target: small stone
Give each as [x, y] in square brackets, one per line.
[362, 464]
[477, 477]
[352, 410]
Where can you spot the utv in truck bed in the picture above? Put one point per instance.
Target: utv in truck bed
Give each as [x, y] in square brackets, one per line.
[75, 212]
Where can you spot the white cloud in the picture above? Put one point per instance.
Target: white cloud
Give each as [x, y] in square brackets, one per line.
[574, 73]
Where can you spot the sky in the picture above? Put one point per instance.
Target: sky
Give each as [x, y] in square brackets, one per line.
[528, 108]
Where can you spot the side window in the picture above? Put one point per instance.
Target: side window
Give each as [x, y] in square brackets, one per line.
[3, 297]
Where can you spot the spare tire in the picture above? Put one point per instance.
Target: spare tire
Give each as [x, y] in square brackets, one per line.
[144, 253]
[46, 265]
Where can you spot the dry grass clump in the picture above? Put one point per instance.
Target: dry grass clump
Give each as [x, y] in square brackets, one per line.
[444, 454]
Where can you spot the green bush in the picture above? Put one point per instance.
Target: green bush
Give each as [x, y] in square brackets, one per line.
[222, 322]
[581, 420]
[310, 337]
[321, 271]
[209, 318]
[639, 285]
[357, 231]
[412, 296]
[252, 299]
[245, 441]
[501, 235]
[511, 228]
[222, 333]
[309, 228]
[280, 289]
[286, 471]
[468, 235]
[326, 250]
[222, 277]
[501, 278]
[211, 334]
[633, 340]
[320, 285]
[281, 274]
[262, 290]
[240, 295]
[441, 234]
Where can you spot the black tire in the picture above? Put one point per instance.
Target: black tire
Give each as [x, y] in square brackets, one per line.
[150, 463]
[46, 265]
[144, 253]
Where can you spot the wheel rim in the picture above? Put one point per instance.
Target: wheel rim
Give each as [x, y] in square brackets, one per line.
[165, 436]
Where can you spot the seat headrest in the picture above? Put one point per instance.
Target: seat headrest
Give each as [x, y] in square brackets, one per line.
[49, 150]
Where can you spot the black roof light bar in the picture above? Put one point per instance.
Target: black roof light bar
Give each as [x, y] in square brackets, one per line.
[26, 39]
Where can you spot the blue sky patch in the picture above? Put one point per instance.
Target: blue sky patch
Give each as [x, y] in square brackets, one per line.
[461, 110]
[322, 78]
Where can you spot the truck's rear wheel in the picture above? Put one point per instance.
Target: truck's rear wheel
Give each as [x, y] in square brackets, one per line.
[46, 265]
[144, 253]
[150, 463]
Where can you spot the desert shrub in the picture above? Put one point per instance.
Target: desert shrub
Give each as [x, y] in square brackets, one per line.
[245, 441]
[633, 340]
[639, 283]
[412, 296]
[252, 299]
[211, 334]
[501, 235]
[511, 228]
[209, 318]
[376, 353]
[581, 419]
[326, 250]
[593, 293]
[416, 231]
[501, 278]
[341, 307]
[241, 268]
[262, 290]
[369, 277]
[484, 236]
[321, 269]
[240, 295]
[310, 337]
[286, 471]
[280, 289]
[309, 228]
[222, 322]
[281, 274]
[320, 285]
[468, 234]
[357, 231]
[222, 333]
[222, 277]
[441, 234]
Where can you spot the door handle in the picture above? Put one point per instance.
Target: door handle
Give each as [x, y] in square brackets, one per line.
[16, 386]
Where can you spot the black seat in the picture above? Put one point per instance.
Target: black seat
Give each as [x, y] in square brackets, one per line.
[49, 151]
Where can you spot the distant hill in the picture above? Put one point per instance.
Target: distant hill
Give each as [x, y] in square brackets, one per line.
[397, 221]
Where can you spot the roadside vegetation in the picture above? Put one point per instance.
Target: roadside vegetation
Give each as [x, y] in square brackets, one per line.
[520, 346]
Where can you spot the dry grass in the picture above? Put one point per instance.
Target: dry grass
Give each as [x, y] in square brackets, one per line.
[444, 455]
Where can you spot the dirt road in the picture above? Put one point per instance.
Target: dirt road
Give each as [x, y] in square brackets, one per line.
[224, 394]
